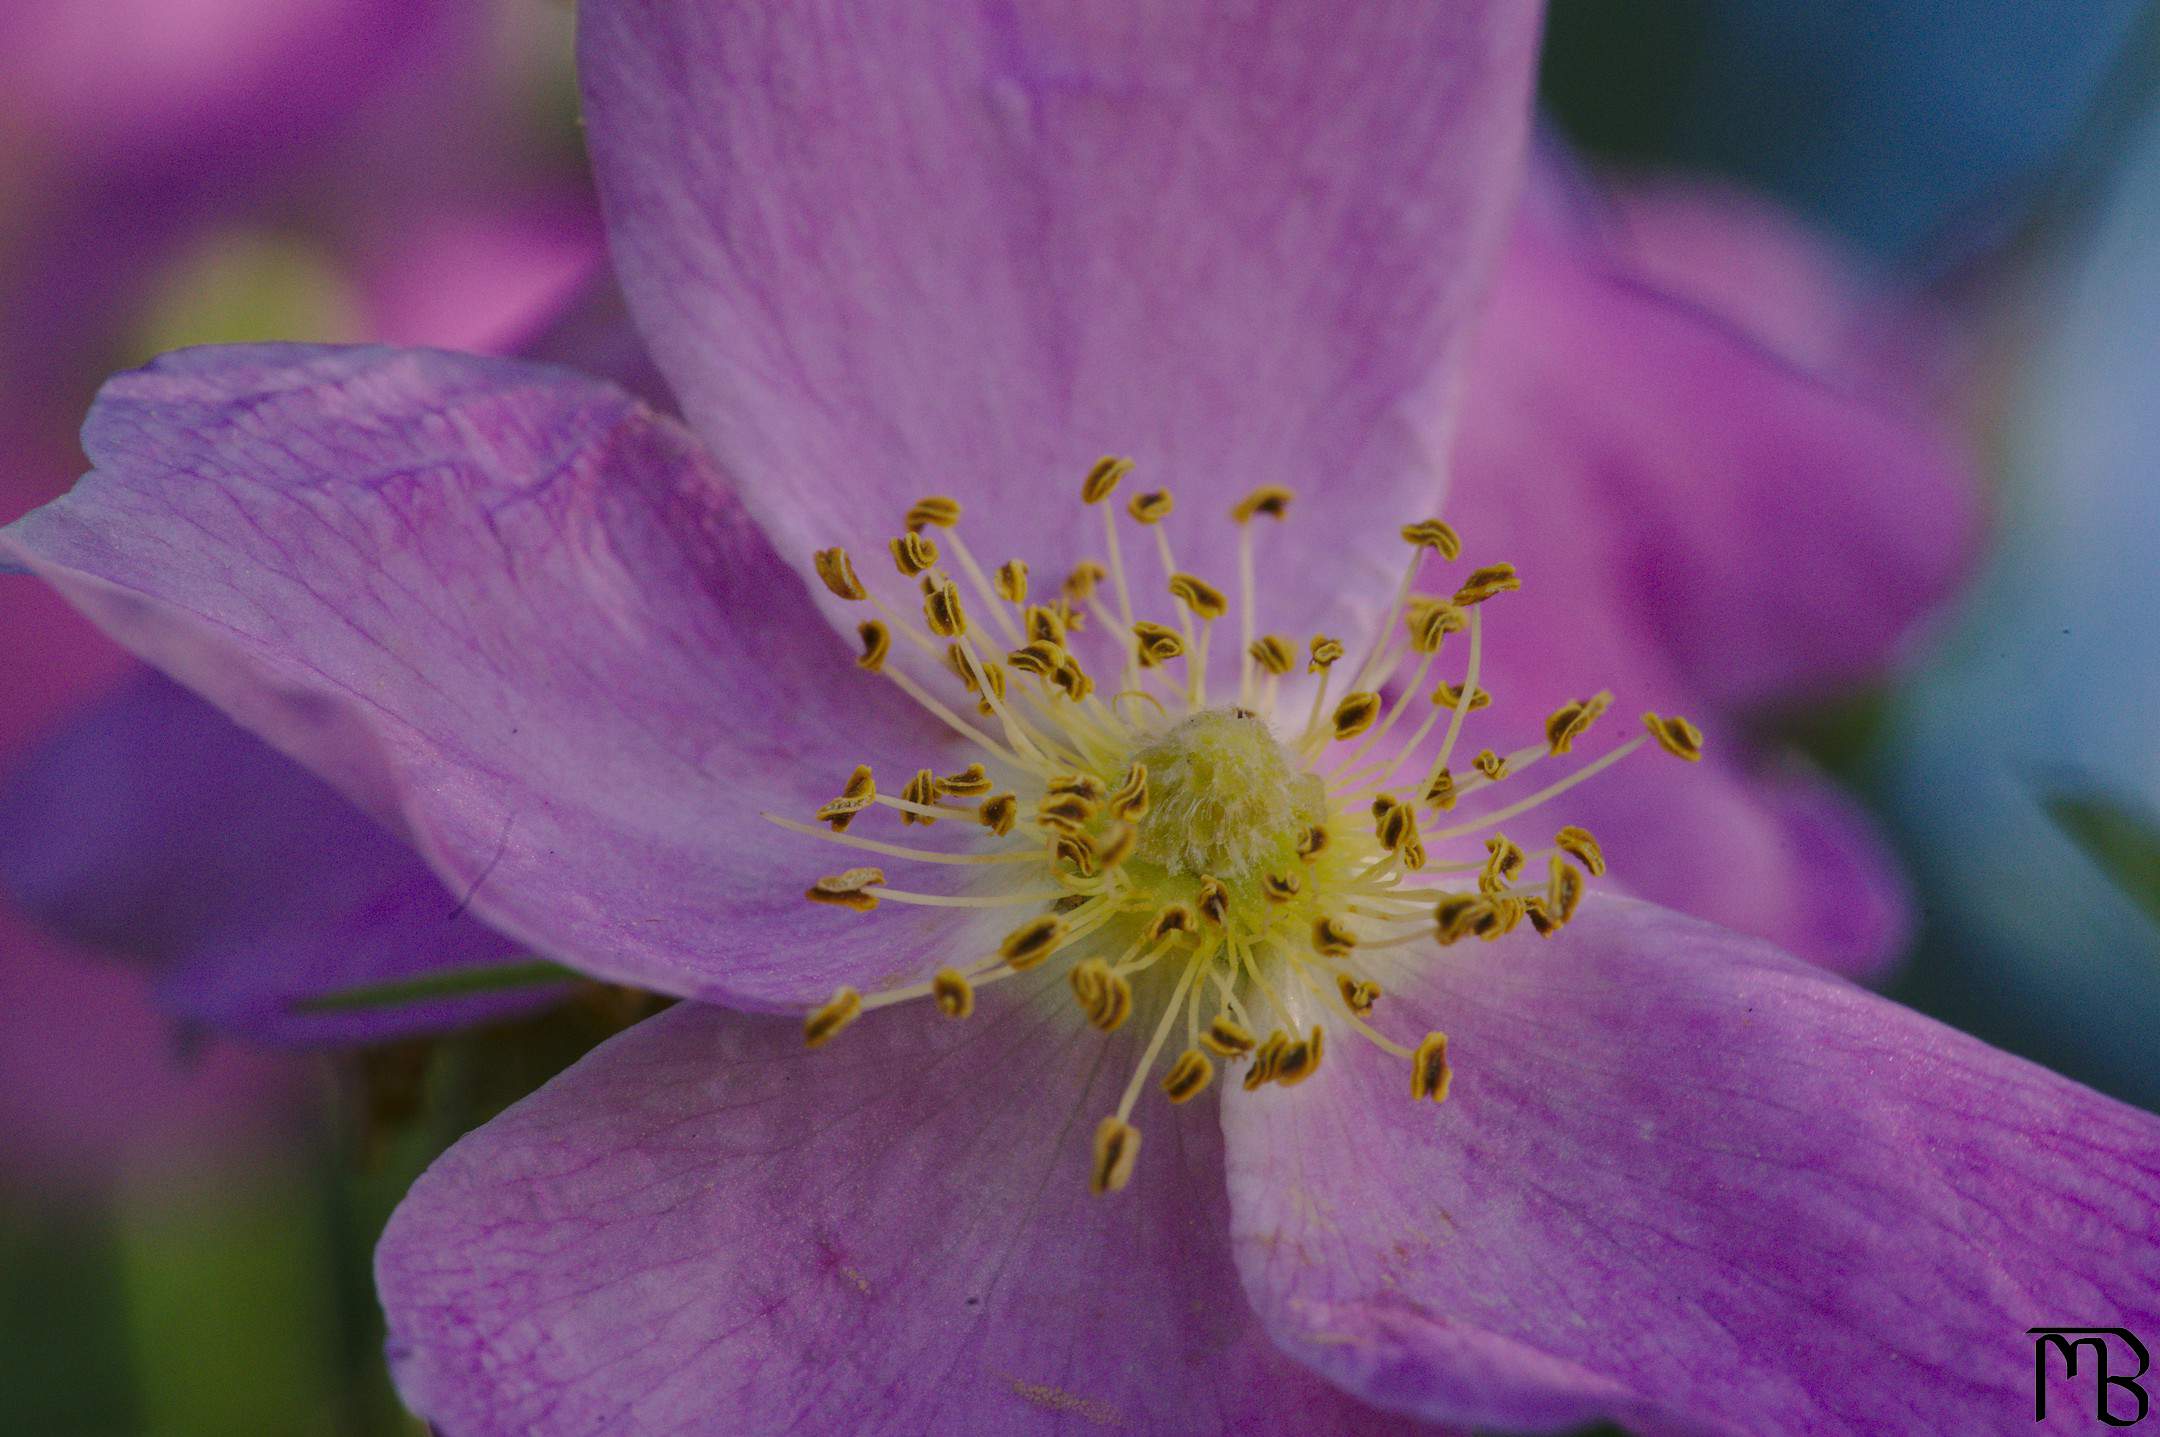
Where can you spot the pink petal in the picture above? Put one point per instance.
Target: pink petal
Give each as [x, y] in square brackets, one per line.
[516, 615]
[1772, 510]
[1688, 1183]
[883, 251]
[703, 1228]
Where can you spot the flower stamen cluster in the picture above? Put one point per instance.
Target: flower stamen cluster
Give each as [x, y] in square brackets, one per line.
[1263, 858]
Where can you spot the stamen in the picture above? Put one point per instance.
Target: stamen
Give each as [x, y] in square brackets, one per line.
[876, 643]
[1435, 535]
[954, 994]
[936, 509]
[1429, 1072]
[843, 1008]
[1228, 1038]
[1012, 581]
[913, 554]
[1357, 995]
[1031, 942]
[1355, 714]
[1676, 736]
[1571, 721]
[1578, 843]
[997, 813]
[1188, 1077]
[838, 571]
[1486, 582]
[847, 890]
[1330, 939]
[859, 794]
[1105, 997]
[1149, 508]
[1117, 1148]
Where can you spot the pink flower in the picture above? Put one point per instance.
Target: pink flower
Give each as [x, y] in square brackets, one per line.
[909, 274]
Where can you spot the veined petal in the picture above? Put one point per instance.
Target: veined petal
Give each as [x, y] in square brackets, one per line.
[1685, 1182]
[514, 614]
[154, 827]
[703, 1229]
[887, 251]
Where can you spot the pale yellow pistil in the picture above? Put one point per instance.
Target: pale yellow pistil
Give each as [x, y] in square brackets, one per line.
[1277, 860]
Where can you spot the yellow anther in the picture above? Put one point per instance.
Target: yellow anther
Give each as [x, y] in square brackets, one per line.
[1486, 582]
[1174, 918]
[1456, 915]
[1188, 1076]
[1227, 1038]
[1043, 625]
[1131, 799]
[1066, 812]
[1433, 534]
[912, 553]
[1675, 735]
[922, 789]
[1492, 765]
[1031, 942]
[1498, 918]
[1011, 584]
[1330, 939]
[1394, 824]
[1080, 583]
[1156, 644]
[1571, 721]
[1440, 793]
[1086, 785]
[998, 813]
[1355, 713]
[1197, 594]
[936, 509]
[1432, 620]
[1563, 894]
[942, 611]
[1311, 840]
[1151, 507]
[955, 996]
[1325, 651]
[845, 890]
[1105, 997]
[1272, 652]
[1280, 887]
[1214, 900]
[1118, 842]
[843, 1008]
[1299, 1060]
[1078, 850]
[1357, 994]
[1117, 1148]
[876, 644]
[859, 794]
[1072, 680]
[969, 782]
[1270, 499]
[1103, 478]
[1429, 1072]
[1265, 1059]
[1040, 658]
[1584, 848]
[1503, 861]
[838, 571]
[1449, 696]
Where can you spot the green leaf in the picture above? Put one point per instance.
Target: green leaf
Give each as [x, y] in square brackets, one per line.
[445, 983]
[2122, 840]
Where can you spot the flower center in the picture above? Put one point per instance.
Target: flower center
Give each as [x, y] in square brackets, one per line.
[1228, 801]
[1251, 871]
